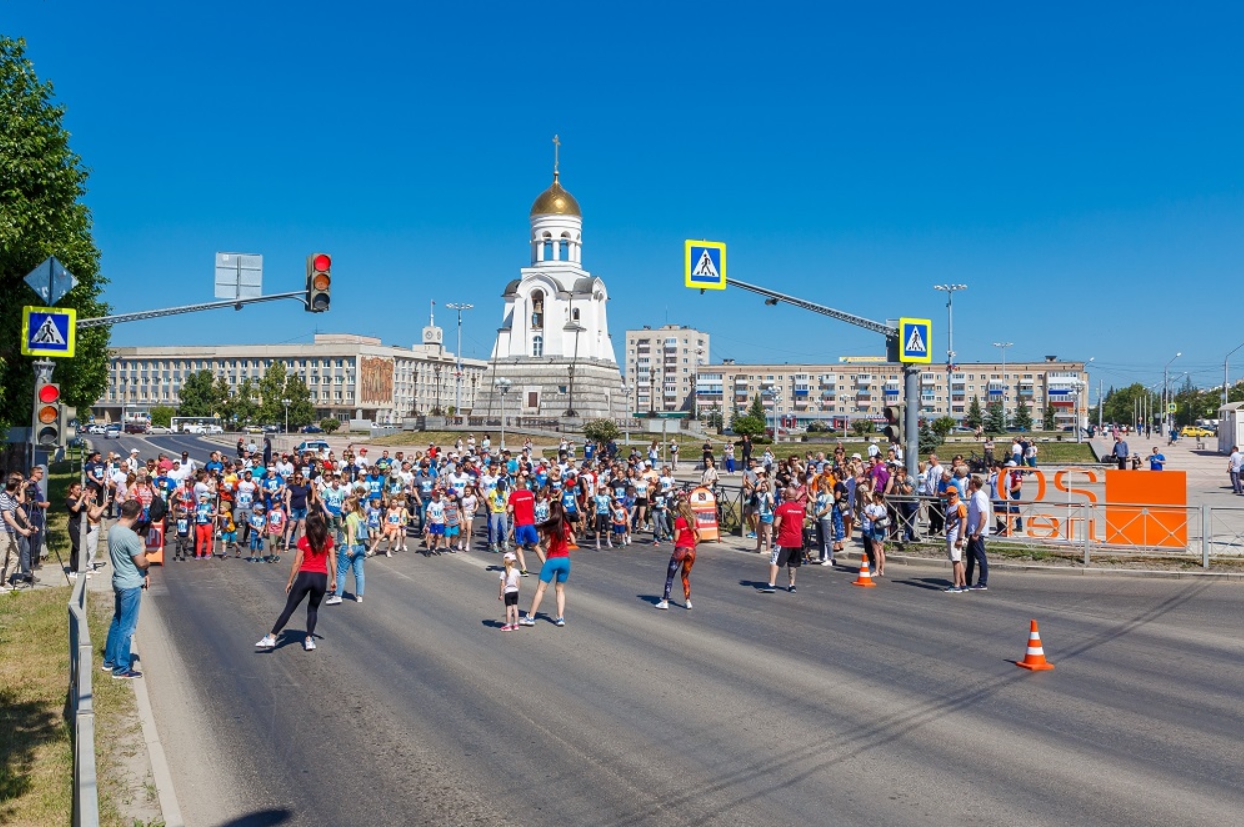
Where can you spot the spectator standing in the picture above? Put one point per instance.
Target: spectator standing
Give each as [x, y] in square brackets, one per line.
[978, 528]
[129, 578]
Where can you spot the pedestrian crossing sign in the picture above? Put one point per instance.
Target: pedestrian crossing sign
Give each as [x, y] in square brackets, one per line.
[706, 265]
[47, 331]
[913, 338]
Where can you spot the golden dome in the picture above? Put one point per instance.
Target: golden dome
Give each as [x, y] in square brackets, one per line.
[556, 201]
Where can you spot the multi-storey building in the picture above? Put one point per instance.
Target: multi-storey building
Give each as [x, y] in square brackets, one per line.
[662, 367]
[860, 387]
[348, 376]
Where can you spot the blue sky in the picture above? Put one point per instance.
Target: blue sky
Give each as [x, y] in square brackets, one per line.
[1077, 166]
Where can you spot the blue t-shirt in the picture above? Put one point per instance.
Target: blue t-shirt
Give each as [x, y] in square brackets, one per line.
[1156, 461]
[333, 498]
[569, 502]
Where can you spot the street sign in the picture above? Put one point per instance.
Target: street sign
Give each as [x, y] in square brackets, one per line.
[913, 341]
[1171, 407]
[51, 281]
[239, 276]
[47, 331]
[706, 265]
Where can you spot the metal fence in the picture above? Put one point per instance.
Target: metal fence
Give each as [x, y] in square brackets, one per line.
[82, 710]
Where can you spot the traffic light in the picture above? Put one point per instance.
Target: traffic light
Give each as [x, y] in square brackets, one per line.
[47, 423]
[68, 424]
[893, 429]
[319, 281]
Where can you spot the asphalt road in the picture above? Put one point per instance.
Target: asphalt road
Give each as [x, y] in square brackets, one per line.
[834, 705]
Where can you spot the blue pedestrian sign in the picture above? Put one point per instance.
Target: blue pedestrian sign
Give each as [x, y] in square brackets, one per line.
[706, 265]
[47, 331]
[913, 341]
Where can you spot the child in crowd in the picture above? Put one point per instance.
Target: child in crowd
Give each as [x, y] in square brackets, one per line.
[276, 529]
[603, 509]
[228, 531]
[619, 520]
[394, 526]
[257, 523]
[658, 517]
[509, 591]
[436, 522]
[185, 539]
[204, 517]
[453, 522]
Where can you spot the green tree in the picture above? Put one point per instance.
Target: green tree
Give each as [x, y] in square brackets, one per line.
[330, 424]
[301, 411]
[862, 426]
[244, 404]
[942, 426]
[42, 184]
[995, 418]
[715, 421]
[928, 439]
[1048, 421]
[975, 417]
[753, 423]
[198, 395]
[271, 392]
[601, 430]
[162, 415]
[1023, 416]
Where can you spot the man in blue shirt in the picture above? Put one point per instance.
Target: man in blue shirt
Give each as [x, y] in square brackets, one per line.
[1156, 460]
[1120, 453]
[129, 578]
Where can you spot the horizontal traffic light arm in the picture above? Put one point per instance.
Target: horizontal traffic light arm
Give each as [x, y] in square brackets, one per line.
[103, 321]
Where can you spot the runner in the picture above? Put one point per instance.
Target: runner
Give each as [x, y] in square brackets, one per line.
[308, 578]
[510, 578]
[556, 564]
[686, 535]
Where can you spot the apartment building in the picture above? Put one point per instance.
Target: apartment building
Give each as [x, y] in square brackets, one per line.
[662, 366]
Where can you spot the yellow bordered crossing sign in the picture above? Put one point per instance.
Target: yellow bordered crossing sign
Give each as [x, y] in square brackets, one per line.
[47, 331]
[913, 341]
[706, 265]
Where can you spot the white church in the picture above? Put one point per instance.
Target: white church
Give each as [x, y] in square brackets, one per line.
[553, 347]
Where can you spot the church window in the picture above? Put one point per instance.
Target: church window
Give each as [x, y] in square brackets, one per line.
[548, 248]
[574, 315]
[563, 253]
[537, 310]
[537, 345]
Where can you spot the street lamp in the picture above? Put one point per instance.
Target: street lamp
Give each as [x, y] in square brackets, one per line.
[1166, 392]
[459, 306]
[1225, 380]
[577, 329]
[436, 371]
[285, 402]
[503, 387]
[950, 289]
[695, 384]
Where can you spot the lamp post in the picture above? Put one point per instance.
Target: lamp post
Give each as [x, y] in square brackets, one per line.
[949, 290]
[459, 306]
[1166, 392]
[285, 402]
[571, 413]
[503, 387]
[695, 384]
[1002, 346]
[1225, 378]
[436, 371]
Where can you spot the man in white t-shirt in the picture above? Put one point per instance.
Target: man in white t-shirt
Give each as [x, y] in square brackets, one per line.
[979, 522]
[1235, 466]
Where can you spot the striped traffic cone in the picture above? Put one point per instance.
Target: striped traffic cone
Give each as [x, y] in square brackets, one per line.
[865, 578]
[1034, 658]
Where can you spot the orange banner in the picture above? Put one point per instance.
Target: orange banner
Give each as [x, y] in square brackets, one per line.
[704, 504]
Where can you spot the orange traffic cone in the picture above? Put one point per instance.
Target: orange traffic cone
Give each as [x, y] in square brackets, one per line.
[1034, 658]
[865, 578]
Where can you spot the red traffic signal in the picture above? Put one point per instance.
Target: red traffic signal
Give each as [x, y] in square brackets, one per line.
[319, 282]
[47, 419]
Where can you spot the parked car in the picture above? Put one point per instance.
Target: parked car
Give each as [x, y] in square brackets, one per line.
[159, 429]
[252, 429]
[136, 427]
[1195, 431]
[113, 431]
[318, 446]
[312, 429]
[272, 429]
[193, 428]
[215, 429]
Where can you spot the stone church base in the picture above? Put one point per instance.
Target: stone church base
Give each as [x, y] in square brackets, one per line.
[540, 388]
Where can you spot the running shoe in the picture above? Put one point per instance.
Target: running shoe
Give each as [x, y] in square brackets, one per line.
[358, 598]
[827, 562]
[688, 604]
[954, 590]
[663, 604]
[791, 588]
[268, 642]
[769, 589]
[126, 674]
[333, 600]
[979, 587]
[526, 621]
[106, 667]
[524, 573]
[309, 644]
[508, 628]
[559, 621]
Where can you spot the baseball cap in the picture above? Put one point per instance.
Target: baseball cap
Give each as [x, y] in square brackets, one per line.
[1010, 463]
[509, 555]
[856, 456]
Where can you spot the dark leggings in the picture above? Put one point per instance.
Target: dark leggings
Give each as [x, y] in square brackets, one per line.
[309, 584]
[685, 564]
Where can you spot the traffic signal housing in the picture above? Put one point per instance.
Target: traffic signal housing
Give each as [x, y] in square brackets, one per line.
[68, 423]
[319, 282]
[893, 429]
[47, 420]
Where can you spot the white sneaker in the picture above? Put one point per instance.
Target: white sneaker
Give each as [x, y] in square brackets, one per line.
[664, 604]
[309, 644]
[268, 642]
[358, 598]
[333, 600]
[688, 605]
[827, 562]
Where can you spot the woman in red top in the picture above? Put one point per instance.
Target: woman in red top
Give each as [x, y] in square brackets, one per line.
[315, 566]
[686, 535]
[556, 532]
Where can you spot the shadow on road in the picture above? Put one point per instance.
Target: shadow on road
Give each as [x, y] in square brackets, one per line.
[754, 584]
[651, 599]
[934, 584]
[260, 818]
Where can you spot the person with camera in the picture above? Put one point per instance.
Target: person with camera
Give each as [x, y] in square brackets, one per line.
[15, 533]
[36, 510]
[80, 501]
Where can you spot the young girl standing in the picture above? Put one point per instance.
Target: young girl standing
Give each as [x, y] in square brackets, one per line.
[470, 504]
[276, 529]
[313, 568]
[351, 555]
[509, 591]
[394, 527]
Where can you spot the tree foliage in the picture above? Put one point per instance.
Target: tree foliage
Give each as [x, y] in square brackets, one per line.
[42, 184]
[1048, 420]
[162, 415]
[995, 418]
[330, 424]
[976, 416]
[242, 406]
[862, 426]
[1023, 416]
[601, 430]
[301, 411]
[271, 392]
[942, 426]
[928, 439]
[197, 396]
[753, 423]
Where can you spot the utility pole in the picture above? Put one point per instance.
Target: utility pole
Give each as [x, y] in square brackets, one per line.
[459, 306]
[950, 290]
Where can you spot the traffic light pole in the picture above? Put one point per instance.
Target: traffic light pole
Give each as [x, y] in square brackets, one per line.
[911, 373]
[300, 295]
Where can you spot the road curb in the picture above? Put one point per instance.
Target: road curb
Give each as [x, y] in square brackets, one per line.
[161, 775]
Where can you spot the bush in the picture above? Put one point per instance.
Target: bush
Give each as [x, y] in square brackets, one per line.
[330, 424]
[601, 430]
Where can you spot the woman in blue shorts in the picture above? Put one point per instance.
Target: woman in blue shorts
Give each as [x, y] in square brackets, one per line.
[556, 568]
